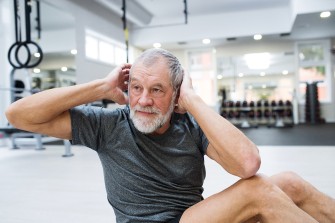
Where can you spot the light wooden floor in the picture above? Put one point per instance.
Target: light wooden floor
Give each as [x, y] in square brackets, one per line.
[43, 187]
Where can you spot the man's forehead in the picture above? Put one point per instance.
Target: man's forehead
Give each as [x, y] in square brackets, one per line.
[155, 70]
[150, 80]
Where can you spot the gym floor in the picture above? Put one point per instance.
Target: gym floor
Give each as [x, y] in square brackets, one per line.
[42, 186]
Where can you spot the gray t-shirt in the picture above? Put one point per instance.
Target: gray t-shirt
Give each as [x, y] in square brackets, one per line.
[148, 178]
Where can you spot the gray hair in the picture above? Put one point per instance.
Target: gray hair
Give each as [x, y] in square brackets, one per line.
[151, 56]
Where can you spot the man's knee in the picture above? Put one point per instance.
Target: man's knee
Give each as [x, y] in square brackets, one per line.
[292, 184]
[261, 189]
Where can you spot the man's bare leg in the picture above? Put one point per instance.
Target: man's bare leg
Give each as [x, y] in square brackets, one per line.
[256, 196]
[305, 196]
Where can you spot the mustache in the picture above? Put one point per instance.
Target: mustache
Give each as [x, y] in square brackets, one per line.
[148, 109]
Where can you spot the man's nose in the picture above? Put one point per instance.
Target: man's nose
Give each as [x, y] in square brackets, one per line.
[145, 99]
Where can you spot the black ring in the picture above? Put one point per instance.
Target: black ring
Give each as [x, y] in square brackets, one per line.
[39, 50]
[12, 47]
[26, 64]
[23, 65]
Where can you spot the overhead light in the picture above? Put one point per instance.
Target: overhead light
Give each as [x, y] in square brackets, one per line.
[325, 14]
[64, 69]
[258, 37]
[257, 61]
[284, 72]
[36, 70]
[206, 41]
[37, 55]
[157, 45]
[74, 51]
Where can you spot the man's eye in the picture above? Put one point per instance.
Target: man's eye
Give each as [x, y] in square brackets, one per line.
[136, 88]
[157, 90]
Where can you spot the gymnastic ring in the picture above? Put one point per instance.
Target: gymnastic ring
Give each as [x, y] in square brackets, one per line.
[12, 47]
[26, 64]
[39, 59]
[17, 50]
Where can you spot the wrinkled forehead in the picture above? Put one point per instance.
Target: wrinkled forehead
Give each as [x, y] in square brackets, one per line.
[156, 64]
[144, 70]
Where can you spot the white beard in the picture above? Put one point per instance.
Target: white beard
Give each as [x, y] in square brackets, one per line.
[149, 125]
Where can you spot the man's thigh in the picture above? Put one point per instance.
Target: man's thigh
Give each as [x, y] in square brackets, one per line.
[234, 204]
[241, 202]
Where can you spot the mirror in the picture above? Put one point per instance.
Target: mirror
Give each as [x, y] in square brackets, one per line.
[245, 78]
[57, 41]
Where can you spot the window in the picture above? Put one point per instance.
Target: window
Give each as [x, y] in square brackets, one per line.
[120, 55]
[313, 66]
[91, 47]
[104, 49]
[106, 52]
[201, 68]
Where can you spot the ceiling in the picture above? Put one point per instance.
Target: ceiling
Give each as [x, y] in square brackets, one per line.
[151, 21]
[223, 21]
[164, 21]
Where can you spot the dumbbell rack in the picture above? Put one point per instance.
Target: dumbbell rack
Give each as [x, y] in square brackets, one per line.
[274, 114]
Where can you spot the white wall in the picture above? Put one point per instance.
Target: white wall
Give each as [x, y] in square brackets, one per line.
[60, 40]
[6, 40]
[90, 15]
[218, 25]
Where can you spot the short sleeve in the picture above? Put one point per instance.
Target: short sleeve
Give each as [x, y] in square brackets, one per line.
[86, 126]
[198, 135]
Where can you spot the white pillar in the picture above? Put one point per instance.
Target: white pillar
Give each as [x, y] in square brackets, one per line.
[7, 38]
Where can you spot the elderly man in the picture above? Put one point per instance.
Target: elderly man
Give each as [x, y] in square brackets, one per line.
[152, 150]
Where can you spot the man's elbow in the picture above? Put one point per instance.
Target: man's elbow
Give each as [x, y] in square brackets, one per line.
[13, 116]
[9, 115]
[251, 166]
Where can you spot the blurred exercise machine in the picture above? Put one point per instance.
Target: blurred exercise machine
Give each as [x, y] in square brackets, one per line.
[20, 57]
[17, 91]
[18, 137]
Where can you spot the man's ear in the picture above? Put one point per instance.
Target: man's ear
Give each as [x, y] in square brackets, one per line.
[177, 107]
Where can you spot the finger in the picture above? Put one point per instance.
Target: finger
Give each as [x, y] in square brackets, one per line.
[125, 66]
[125, 71]
[125, 83]
[125, 76]
[125, 87]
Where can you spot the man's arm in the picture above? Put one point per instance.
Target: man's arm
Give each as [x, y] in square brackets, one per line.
[48, 113]
[227, 144]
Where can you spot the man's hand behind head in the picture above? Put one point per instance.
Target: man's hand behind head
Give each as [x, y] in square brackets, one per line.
[185, 90]
[117, 83]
